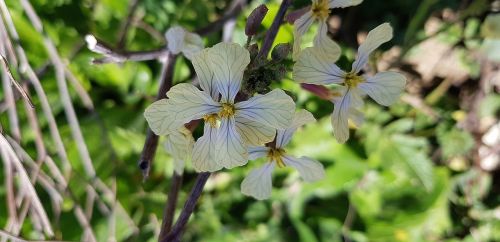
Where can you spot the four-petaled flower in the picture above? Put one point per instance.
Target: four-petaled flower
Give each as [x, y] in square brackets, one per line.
[258, 183]
[315, 67]
[319, 12]
[230, 126]
[179, 40]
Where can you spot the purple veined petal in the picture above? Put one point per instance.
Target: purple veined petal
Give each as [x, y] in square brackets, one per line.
[314, 66]
[326, 44]
[343, 3]
[202, 67]
[258, 183]
[309, 169]
[385, 87]
[228, 62]
[274, 109]
[374, 39]
[256, 152]
[204, 151]
[188, 103]
[300, 118]
[340, 117]
[231, 150]
[300, 27]
[254, 133]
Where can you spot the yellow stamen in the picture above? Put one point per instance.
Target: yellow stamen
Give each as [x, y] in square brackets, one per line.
[352, 79]
[320, 9]
[227, 110]
[211, 119]
[276, 154]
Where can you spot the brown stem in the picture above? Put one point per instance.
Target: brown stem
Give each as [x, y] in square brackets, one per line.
[151, 142]
[273, 30]
[169, 212]
[176, 233]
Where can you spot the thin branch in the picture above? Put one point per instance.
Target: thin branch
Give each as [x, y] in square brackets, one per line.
[273, 30]
[63, 89]
[126, 25]
[11, 104]
[176, 233]
[15, 83]
[151, 142]
[232, 12]
[169, 210]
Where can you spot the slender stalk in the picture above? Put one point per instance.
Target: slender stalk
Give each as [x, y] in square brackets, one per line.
[273, 30]
[169, 212]
[151, 143]
[176, 233]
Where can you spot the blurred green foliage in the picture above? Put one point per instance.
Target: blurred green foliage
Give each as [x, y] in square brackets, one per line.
[393, 181]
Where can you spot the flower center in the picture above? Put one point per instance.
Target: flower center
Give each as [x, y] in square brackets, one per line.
[227, 110]
[276, 154]
[320, 9]
[211, 119]
[352, 79]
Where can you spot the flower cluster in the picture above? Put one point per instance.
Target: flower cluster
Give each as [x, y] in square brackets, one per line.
[238, 128]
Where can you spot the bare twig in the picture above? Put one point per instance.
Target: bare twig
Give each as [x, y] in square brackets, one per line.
[15, 83]
[126, 25]
[176, 233]
[151, 142]
[9, 188]
[26, 184]
[11, 103]
[169, 210]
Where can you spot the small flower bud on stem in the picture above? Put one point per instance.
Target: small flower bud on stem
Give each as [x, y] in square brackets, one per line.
[255, 19]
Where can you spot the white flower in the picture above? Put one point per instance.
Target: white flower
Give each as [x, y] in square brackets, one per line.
[179, 40]
[229, 126]
[258, 183]
[179, 144]
[319, 12]
[314, 67]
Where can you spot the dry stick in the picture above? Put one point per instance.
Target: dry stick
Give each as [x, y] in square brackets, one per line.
[11, 105]
[124, 29]
[62, 187]
[151, 142]
[26, 183]
[169, 210]
[9, 188]
[188, 209]
[26, 69]
[63, 89]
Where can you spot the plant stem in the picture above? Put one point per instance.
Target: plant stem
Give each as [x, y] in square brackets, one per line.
[176, 233]
[169, 212]
[273, 30]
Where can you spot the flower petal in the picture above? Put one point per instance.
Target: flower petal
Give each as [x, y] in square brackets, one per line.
[192, 45]
[254, 133]
[256, 152]
[343, 3]
[340, 116]
[179, 145]
[230, 148]
[202, 67]
[160, 118]
[314, 66]
[300, 27]
[326, 44]
[310, 170]
[274, 109]
[188, 103]
[374, 39]
[284, 136]
[175, 39]
[258, 183]
[384, 87]
[204, 156]
[228, 61]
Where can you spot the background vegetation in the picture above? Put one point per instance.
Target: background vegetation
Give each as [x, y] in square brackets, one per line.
[425, 169]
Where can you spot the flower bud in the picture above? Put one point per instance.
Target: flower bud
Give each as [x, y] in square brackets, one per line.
[281, 51]
[255, 19]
